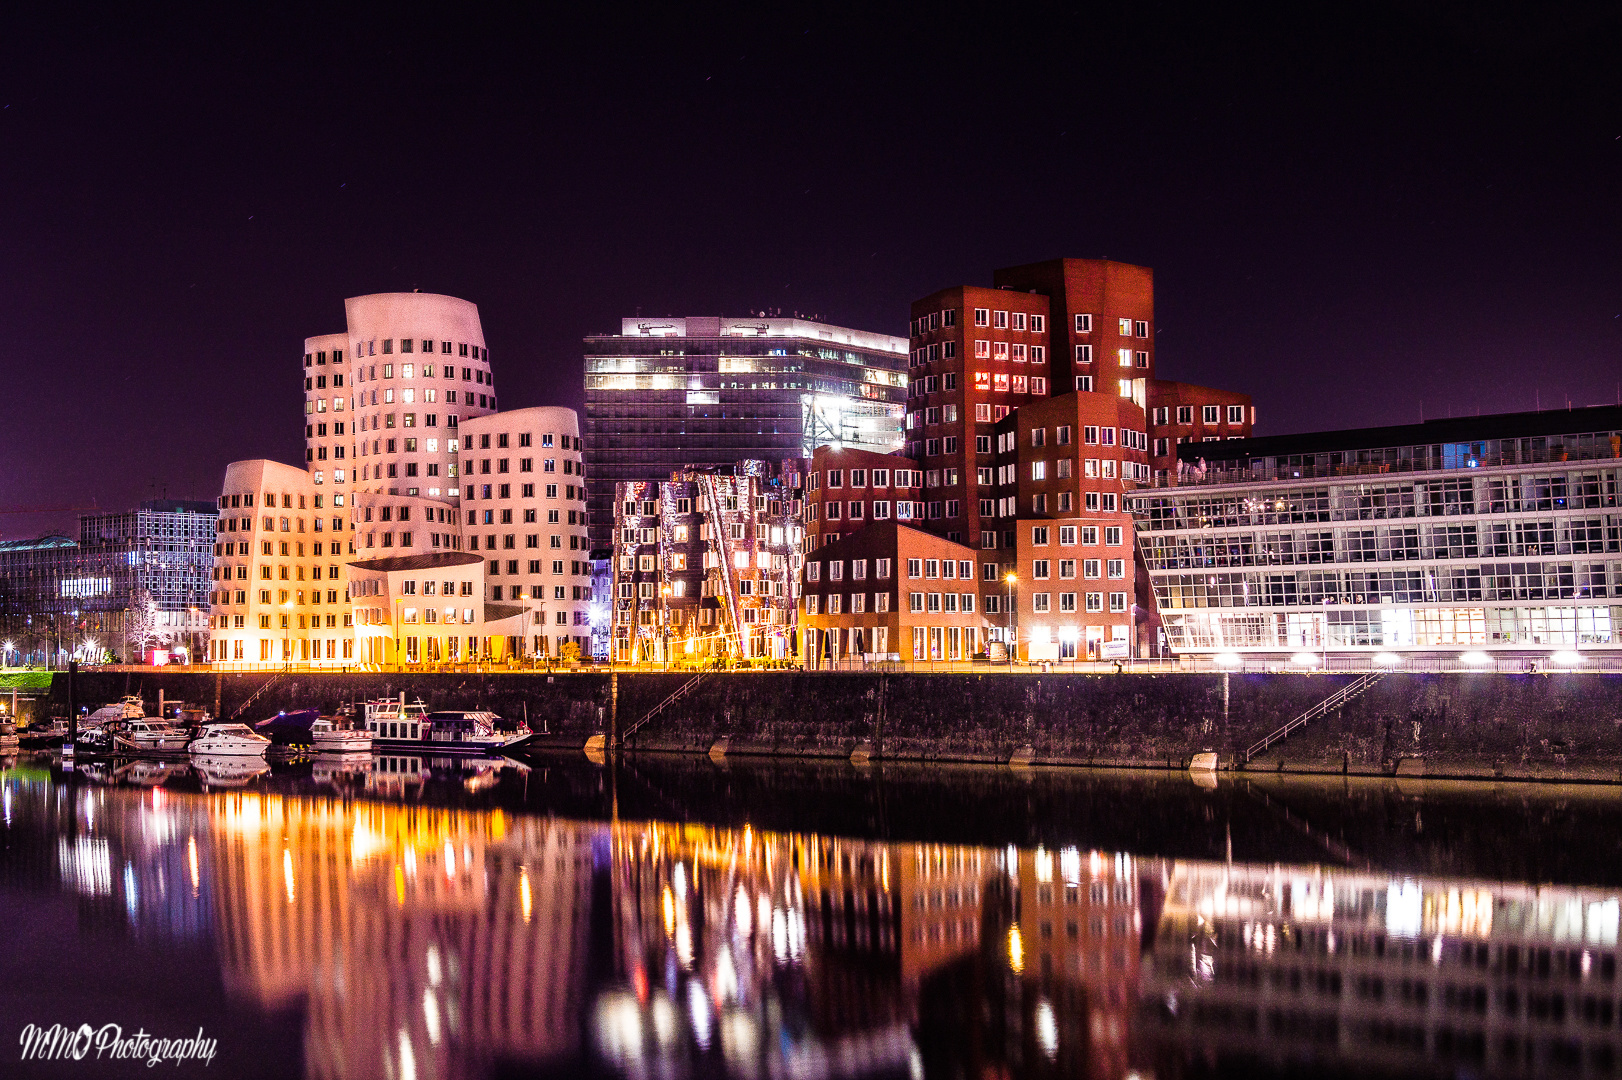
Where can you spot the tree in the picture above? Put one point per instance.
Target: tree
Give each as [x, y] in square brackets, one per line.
[569, 653]
[140, 624]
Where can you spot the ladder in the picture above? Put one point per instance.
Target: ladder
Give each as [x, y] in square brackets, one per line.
[272, 681]
[680, 692]
[1334, 701]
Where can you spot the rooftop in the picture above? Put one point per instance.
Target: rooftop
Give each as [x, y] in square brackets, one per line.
[752, 326]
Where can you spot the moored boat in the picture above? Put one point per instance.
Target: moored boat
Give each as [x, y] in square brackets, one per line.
[228, 740]
[330, 739]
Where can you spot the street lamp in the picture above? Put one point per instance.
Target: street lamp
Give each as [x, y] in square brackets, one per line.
[5, 658]
[664, 619]
[1013, 622]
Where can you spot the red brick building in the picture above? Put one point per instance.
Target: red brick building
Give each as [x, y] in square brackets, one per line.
[888, 590]
[847, 489]
[1076, 458]
[1182, 413]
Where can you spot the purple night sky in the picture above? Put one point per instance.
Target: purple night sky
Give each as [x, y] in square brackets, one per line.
[1351, 216]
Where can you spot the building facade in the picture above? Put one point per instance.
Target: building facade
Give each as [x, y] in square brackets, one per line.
[384, 400]
[707, 565]
[134, 582]
[1463, 537]
[847, 489]
[524, 510]
[890, 592]
[667, 395]
[1065, 327]
[1074, 462]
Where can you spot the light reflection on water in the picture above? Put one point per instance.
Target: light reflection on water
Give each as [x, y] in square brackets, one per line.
[416, 926]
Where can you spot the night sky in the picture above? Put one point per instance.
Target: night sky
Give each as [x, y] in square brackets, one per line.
[1352, 217]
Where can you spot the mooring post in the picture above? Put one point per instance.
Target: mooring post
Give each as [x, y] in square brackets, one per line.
[218, 678]
[73, 703]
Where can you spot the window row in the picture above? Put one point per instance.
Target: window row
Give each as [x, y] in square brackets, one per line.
[409, 345]
[1042, 603]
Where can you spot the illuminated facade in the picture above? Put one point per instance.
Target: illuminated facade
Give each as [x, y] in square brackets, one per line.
[383, 401]
[665, 395]
[60, 596]
[524, 510]
[1458, 537]
[706, 564]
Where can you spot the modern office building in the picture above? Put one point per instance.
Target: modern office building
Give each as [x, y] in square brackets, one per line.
[707, 564]
[383, 401]
[133, 581]
[667, 395]
[524, 510]
[1465, 537]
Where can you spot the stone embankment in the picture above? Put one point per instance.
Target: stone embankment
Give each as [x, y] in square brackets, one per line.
[1546, 727]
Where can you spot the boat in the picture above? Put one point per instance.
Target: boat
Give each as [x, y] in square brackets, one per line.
[228, 740]
[289, 728]
[391, 722]
[470, 732]
[146, 736]
[327, 738]
[128, 707]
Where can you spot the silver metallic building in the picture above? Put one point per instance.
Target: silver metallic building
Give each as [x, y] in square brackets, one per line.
[1447, 537]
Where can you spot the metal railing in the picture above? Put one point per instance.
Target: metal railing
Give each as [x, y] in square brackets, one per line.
[1334, 701]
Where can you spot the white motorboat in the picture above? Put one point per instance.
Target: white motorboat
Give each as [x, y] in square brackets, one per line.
[229, 740]
[329, 739]
[129, 707]
[469, 732]
[145, 736]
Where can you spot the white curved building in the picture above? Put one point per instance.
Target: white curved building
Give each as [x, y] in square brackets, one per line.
[383, 401]
[523, 508]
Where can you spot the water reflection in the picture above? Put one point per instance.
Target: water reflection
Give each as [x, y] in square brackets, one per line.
[419, 926]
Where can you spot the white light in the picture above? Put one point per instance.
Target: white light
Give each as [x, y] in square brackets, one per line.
[1566, 658]
[1387, 659]
[1305, 659]
[1228, 659]
[1476, 659]
[1047, 1029]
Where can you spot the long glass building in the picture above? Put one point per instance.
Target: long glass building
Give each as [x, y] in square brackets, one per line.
[665, 395]
[1462, 537]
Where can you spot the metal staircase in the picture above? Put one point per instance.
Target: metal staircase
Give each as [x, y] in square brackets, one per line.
[680, 692]
[723, 537]
[272, 681]
[1340, 697]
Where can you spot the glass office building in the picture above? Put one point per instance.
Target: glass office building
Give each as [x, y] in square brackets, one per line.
[1493, 533]
[57, 594]
[665, 395]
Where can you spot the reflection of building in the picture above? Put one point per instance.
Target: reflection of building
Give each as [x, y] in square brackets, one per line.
[1494, 532]
[419, 937]
[1371, 971]
[705, 564]
[666, 395]
[138, 574]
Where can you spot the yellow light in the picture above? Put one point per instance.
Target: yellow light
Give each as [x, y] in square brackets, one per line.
[399, 884]
[670, 911]
[191, 859]
[287, 873]
[1010, 579]
[1016, 950]
[524, 900]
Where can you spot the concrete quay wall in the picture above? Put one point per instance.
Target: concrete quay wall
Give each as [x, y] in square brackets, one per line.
[1551, 727]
